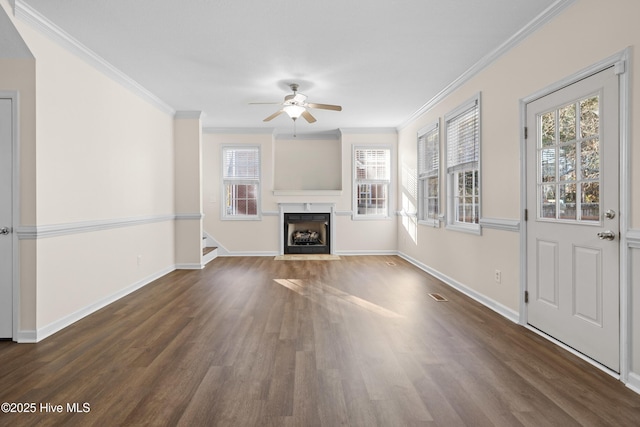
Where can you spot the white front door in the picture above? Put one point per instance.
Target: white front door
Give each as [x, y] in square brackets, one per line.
[573, 226]
[6, 238]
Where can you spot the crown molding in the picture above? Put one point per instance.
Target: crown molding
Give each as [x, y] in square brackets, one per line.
[26, 13]
[188, 115]
[238, 131]
[547, 15]
[330, 134]
[371, 131]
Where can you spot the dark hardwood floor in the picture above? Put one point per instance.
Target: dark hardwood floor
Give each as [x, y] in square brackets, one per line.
[258, 342]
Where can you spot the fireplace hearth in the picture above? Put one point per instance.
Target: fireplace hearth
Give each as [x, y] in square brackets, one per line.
[307, 233]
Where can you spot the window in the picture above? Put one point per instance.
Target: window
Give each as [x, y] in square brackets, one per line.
[241, 182]
[428, 174]
[372, 170]
[462, 127]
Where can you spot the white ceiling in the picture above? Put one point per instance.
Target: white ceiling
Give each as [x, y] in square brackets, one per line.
[382, 60]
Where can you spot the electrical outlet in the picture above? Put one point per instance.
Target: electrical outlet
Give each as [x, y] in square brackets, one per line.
[498, 276]
[139, 259]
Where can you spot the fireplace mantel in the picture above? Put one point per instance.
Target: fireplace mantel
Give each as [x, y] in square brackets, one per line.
[311, 207]
[307, 192]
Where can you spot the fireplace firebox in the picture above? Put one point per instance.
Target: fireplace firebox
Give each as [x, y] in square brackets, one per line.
[307, 233]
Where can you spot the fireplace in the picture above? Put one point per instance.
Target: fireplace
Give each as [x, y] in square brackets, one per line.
[307, 233]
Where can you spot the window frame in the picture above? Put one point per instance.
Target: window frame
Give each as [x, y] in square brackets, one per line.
[224, 215]
[387, 182]
[425, 173]
[453, 171]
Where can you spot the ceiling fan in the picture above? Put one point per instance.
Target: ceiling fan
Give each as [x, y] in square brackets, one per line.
[296, 105]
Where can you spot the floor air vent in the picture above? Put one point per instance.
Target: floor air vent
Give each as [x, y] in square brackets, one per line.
[391, 263]
[438, 297]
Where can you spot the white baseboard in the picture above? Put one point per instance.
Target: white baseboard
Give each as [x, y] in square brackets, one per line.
[633, 382]
[365, 253]
[190, 266]
[62, 323]
[27, 336]
[482, 299]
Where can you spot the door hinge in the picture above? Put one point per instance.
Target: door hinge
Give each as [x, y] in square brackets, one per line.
[526, 297]
[526, 214]
[526, 132]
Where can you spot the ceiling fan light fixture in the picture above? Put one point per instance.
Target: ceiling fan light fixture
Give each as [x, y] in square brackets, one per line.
[294, 111]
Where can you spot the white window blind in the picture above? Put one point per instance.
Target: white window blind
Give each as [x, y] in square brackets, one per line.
[429, 152]
[463, 138]
[241, 163]
[429, 174]
[372, 164]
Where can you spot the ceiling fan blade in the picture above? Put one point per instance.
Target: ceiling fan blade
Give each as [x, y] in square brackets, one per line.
[325, 106]
[265, 103]
[308, 117]
[273, 116]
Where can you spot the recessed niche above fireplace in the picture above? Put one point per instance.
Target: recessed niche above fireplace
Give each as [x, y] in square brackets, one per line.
[304, 166]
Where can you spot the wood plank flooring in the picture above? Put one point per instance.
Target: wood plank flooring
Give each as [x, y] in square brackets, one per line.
[258, 342]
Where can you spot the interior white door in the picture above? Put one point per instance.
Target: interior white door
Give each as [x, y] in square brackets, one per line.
[6, 238]
[573, 225]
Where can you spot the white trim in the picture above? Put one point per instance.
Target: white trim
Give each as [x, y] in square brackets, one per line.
[366, 252]
[58, 325]
[54, 230]
[32, 17]
[633, 382]
[543, 18]
[622, 63]
[500, 224]
[471, 293]
[307, 192]
[183, 114]
[190, 266]
[331, 134]
[633, 239]
[14, 96]
[27, 336]
[370, 131]
[251, 254]
[238, 131]
[197, 216]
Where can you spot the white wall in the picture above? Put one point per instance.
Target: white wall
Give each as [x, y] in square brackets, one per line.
[583, 34]
[101, 220]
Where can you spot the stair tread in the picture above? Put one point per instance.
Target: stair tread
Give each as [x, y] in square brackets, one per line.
[208, 249]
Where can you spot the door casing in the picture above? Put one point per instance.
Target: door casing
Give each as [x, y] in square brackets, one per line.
[15, 191]
[620, 62]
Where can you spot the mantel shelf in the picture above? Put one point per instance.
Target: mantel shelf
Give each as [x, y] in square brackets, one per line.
[307, 192]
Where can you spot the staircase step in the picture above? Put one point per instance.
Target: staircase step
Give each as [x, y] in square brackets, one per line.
[208, 249]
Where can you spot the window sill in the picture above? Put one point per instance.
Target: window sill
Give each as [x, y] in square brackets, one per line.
[242, 218]
[434, 223]
[474, 229]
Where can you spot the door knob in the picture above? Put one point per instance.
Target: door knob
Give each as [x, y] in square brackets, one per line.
[607, 235]
[609, 214]
[4, 231]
